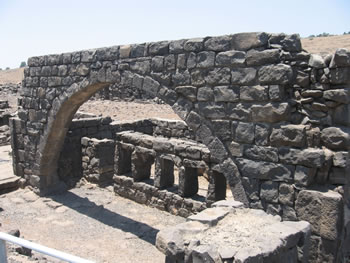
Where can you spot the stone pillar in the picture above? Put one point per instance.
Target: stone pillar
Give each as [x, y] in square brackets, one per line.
[188, 181]
[122, 163]
[217, 186]
[141, 162]
[164, 172]
[98, 159]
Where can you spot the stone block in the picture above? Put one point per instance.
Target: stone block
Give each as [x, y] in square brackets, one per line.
[230, 58]
[189, 92]
[258, 58]
[212, 110]
[220, 43]
[195, 44]
[316, 61]
[338, 95]
[304, 176]
[141, 162]
[226, 94]
[244, 76]
[205, 59]
[275, 74]
[217, 150]
[271, 112]
[205, 94]
[244, 132]
[323, 210]
[341, 58]
[222, 129]
[218, 76]
[276, 92]
[309, 157]
[341, 115]
[188, 181]
[253, 93]
[340, 159]
[269, 192]
[210, 216]
[246, 41]
[340, 75]
[336, 138]
[159, 48]
[265, 170]
[239, 111]
[288, 135]
[269, 154]
[286, 194]
[262, 134]
[164, 172]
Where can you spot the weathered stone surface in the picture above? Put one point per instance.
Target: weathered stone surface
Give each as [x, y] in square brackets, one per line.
[269, 192]
[226, 94]
[316, 61]
[340, 75]
[338, 95]
[270, 112]
[189, 92]
[232, 57]
[221, 43]
[253, 93]
[217, 150]
[205, 59]
[195, 44]
[304, 176]
[286, 194]
[275, 74]
[336, 138]
[269, 154]
[246, 41]
[265, 170]
[341, 58]
[205, 94]
[341, 115]
[244, 76]
[159, 48]
[244, 132]
[210, 216]
[323, 210]
[262, 133]
[341, 159]
[257, 58]
[309, 157]
[276, 92]
[288, 135]
[239, 111]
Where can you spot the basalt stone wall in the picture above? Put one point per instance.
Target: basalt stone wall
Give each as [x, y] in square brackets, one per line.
[275, 118]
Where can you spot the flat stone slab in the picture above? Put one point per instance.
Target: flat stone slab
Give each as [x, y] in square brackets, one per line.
[239, 235]
[210, 216]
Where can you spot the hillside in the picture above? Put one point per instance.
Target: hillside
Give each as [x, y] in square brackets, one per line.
[13, 76]
[325, 45]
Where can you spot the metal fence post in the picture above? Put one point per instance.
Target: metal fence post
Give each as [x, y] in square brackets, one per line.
[3, 254]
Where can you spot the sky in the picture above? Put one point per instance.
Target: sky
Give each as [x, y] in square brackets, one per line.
[38, 27]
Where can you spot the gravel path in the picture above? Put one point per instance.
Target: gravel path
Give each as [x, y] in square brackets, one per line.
[89, 222]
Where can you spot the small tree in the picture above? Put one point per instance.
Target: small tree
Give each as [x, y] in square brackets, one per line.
[7, 68]
[23, 64]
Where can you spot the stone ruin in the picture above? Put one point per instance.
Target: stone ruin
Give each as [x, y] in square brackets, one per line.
[261, 116]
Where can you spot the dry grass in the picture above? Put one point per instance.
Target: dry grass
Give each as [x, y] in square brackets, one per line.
[325, 45]
[12, 76]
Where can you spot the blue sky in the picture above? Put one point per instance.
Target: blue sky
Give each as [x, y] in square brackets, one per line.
[37, 27]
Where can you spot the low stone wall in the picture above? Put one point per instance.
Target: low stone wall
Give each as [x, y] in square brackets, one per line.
[98, 159]
[150, 195]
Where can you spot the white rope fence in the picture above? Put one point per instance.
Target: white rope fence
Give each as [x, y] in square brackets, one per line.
[36, 247]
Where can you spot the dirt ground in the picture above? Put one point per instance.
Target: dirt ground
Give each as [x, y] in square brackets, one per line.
[89, 222]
